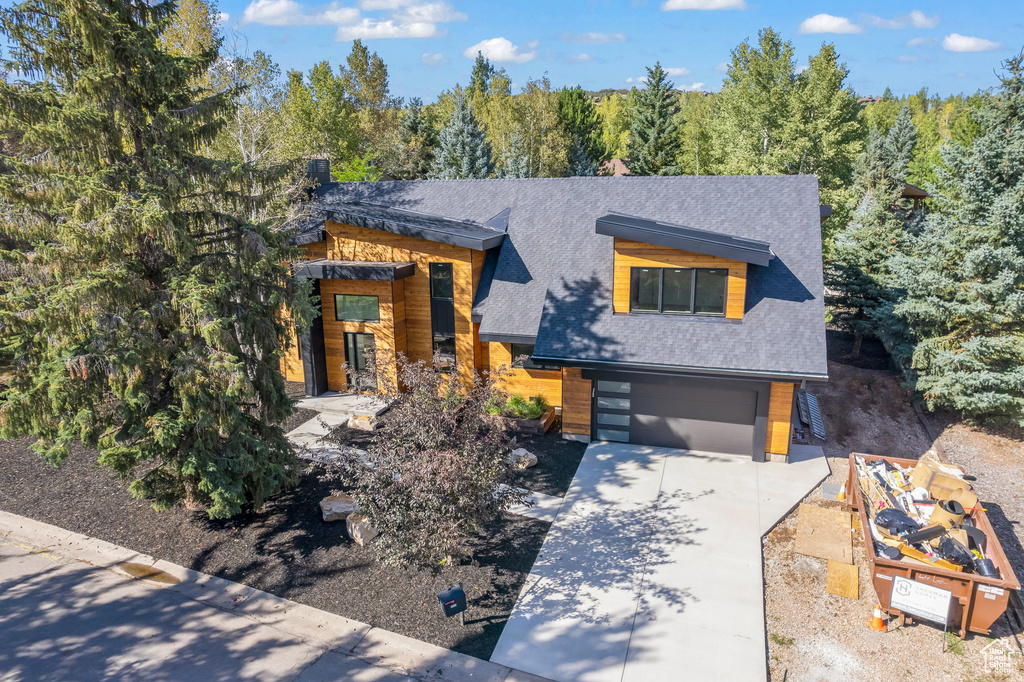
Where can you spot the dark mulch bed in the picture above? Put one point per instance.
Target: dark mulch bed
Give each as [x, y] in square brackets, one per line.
[287, 550]
[840, 349]
[557, 461]
[297, 390]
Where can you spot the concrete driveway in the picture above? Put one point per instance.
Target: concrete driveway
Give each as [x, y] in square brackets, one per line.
[652, 567]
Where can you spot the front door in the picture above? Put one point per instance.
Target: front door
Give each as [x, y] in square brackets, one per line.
[356, 346]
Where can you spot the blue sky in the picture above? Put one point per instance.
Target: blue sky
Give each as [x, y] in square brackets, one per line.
[950, 47]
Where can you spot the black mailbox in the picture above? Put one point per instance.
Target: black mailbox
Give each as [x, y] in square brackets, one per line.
[453, 601]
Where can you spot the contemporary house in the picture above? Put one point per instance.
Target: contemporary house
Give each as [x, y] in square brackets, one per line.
[668, 311]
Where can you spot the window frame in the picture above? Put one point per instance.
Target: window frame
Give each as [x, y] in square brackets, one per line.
[634, 272]
[444, 369]
[337, 314]
[438, 266]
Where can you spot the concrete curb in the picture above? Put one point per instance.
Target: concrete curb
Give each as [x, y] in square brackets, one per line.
[357, 642]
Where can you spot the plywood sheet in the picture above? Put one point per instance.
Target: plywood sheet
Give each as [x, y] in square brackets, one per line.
[824, 533]
[842, 580]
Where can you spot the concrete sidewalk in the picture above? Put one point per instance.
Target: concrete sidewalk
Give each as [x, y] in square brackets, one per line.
[77, 608]
[652, 568]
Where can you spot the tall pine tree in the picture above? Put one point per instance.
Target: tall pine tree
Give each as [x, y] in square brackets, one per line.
[900, 143]
[145, 325]
[653, 137]
[418, 141]
[463, 150]
[964, 280]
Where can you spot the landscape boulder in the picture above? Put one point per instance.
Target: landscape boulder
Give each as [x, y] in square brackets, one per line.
[362, 423]
[338, 507]
[522, 458]
[359, 529]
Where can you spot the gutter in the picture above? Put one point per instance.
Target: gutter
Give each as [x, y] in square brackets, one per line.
[677, 369]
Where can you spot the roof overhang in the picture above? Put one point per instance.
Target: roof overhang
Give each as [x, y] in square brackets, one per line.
[358, 270]
[434, 228]
[681, 370]
[509, 338]
[685, 238]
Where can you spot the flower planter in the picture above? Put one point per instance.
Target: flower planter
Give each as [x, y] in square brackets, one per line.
[536, 426]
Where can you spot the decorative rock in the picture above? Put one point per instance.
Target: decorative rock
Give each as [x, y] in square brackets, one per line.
[338, 507]
[362, 423]
[359, 529]
[522, 458]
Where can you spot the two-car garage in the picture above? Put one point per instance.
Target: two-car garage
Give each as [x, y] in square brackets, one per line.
[693, 413]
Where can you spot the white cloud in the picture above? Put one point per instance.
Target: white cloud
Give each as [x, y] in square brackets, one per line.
[802, 68]
[592, 38]
[291, 13]
[670, 5]
[921, 20]
[434, 59]
[641, 79]
[879, 22]
[372, 5]
[368, 29]
[693, 87]
[501, 49]
[722, 66]
[826, 23]
[223, 18]
[955, 42]
[907, 58]
[581, 58]
[677, 70]
[923, 40]
[430, 12]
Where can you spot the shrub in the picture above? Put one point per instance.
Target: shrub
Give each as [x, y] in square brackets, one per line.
[519, 407]
[437, 469]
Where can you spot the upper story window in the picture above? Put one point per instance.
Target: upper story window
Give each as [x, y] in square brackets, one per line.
[678, 291]
[352, 308]
[442, 285]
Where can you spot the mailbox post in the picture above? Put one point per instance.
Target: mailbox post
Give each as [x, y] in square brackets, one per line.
[453, 601]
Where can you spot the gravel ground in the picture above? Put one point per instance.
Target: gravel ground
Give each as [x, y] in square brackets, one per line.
[286, 550]
[817, 636]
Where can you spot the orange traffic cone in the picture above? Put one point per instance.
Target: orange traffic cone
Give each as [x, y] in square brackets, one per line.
[842, 493]
[876, 619]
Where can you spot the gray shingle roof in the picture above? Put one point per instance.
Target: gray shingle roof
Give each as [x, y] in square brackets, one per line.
[553, 277]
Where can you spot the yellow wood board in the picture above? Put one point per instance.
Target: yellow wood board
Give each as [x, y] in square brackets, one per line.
[842, 580]
[824, 533]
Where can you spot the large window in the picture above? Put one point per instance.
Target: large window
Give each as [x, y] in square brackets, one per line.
[357, 345]
[678, 291]
[351, 308]
[442, 314]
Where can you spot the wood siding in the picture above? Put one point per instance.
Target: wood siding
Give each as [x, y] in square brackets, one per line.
[349, 242]
[314, 250]
[526, 382]
[575, 402]
[780, 415]
[384, 337]
[483, 356]
[629, 254]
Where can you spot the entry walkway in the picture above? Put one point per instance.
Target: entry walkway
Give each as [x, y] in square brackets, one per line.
[652, 568]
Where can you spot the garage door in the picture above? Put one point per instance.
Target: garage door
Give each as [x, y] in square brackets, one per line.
[691, 414]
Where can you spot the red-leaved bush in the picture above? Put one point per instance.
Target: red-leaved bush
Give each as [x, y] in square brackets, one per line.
[437, 468]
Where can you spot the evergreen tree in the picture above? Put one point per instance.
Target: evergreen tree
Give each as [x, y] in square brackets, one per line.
[418, 141]
[580, 163]
[653, 137]
[463, 150]
[578, 116]
[900, 144]
[479, 80]
[516, 159]
[146, 324]
[964, 280]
